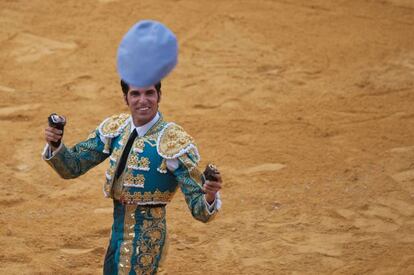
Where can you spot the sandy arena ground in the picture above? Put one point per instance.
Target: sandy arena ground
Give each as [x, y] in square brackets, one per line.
[307, 106]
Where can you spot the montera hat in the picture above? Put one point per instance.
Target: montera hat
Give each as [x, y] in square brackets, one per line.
[147, 53]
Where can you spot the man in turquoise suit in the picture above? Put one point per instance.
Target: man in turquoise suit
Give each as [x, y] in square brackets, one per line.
[149, 158]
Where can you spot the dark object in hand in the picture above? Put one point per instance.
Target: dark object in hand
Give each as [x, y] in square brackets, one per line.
[57, 122]
[210, 172]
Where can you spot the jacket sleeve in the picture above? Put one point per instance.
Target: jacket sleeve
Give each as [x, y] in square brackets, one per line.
[72, 162]
[189, 178]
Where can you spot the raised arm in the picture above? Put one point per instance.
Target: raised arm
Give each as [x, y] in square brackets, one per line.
[73, 162]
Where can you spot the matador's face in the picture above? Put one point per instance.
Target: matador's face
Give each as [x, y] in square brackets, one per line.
[142, 103]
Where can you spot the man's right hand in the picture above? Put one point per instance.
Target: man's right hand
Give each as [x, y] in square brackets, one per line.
[53, 135]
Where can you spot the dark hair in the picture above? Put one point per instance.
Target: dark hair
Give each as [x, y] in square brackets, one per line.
[125, 87]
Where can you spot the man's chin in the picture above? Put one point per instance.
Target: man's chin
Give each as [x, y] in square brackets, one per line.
[143, 118]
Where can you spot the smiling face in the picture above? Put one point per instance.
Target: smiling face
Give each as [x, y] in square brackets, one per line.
[142, 103]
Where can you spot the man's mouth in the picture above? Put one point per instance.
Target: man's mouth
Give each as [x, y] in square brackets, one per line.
[143, 108]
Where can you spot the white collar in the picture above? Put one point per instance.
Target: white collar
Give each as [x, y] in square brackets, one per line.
[142, 130]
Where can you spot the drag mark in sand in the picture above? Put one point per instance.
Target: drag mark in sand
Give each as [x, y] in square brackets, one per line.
[76, 251]
[29, 48]
[265, 167]
[6, 89]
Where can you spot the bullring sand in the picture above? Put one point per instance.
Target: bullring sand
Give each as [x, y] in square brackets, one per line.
[305, 106]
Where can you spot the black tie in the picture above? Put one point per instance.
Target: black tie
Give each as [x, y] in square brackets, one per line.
[125, 154]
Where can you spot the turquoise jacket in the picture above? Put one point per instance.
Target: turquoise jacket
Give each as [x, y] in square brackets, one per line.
[146, 179]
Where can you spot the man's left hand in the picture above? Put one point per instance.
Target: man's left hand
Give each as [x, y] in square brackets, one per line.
[210, 188]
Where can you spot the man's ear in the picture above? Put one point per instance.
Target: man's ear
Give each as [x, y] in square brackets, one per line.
[159, 97]
[126, 99]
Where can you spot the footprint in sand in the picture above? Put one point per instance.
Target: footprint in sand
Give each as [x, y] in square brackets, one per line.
[393, 76]
[386, 215]
[83, 87]
[265, 167]
[325, 244]
[27, 47]
[404, 176]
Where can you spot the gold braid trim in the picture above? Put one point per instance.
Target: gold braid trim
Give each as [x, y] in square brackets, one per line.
[173, 142]
[146, 197]
[126, 249]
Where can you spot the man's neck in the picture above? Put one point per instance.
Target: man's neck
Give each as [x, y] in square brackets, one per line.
[142, 128]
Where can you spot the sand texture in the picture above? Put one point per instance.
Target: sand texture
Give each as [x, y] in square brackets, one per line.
[306, 106]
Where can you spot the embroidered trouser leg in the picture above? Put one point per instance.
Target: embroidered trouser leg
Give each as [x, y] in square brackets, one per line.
[137, 240]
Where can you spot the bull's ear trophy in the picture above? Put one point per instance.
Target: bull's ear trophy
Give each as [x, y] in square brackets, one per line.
[57, 122]
[210, 173]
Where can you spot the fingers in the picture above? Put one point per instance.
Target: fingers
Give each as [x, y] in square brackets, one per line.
[52, 134]
[212, 186]
[53, 130]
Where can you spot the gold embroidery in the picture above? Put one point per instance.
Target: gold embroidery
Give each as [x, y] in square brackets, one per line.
[107, 188]
[111, 170]
[113, 125]
[139, 145]
[116, 153]
[134, 181]
[144, 162]
[92, 135]
[107, 146]
[126, 250]
[163, 167]
[174, 141]
[157, 212]
[134, 162]
[150, 241]
[147, 197]
[123, 139]
[195, 174]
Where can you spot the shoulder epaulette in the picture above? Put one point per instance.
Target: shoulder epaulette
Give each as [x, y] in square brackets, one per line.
[173, 142]
[113, 126]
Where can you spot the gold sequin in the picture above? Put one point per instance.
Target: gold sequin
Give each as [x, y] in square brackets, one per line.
[133, 181]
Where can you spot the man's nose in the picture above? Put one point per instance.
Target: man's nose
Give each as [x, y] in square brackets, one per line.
[142, 99]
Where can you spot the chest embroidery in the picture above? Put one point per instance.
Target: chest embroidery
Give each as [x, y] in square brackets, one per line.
[138, 163]
[138, 146]
[115, 154]
[163, 167]
[134, 181]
